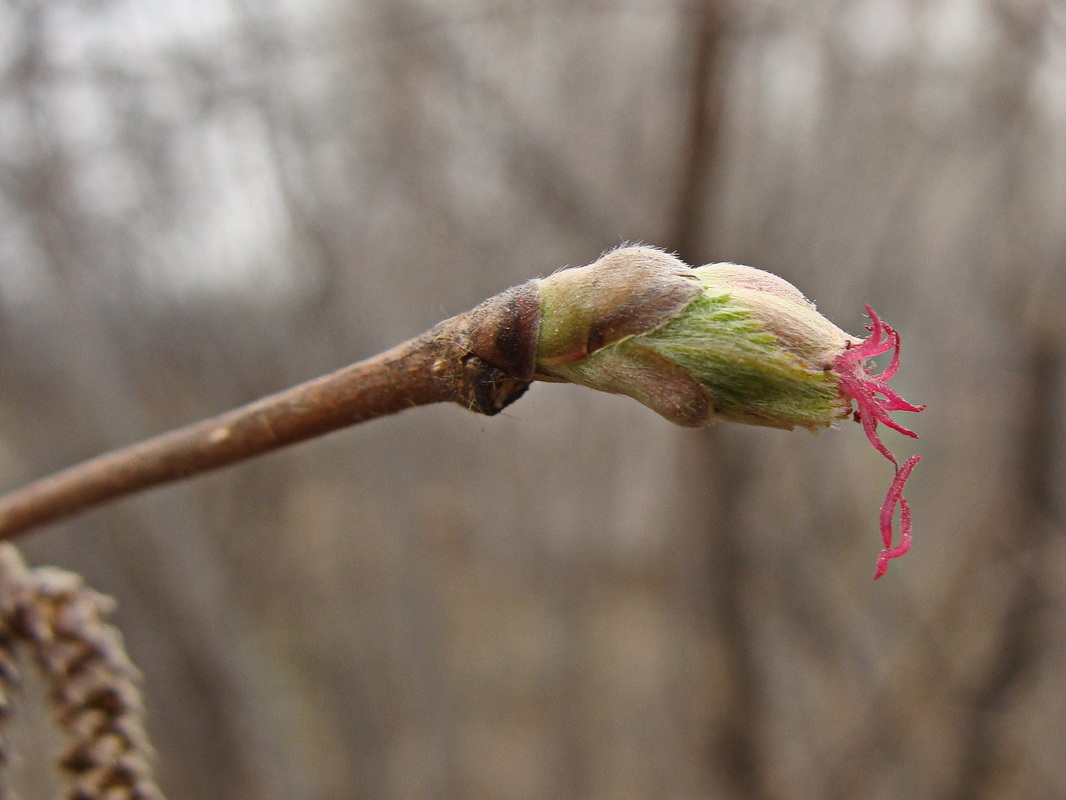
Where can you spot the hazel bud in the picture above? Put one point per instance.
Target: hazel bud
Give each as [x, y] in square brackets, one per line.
[722, 341]
[695, 345]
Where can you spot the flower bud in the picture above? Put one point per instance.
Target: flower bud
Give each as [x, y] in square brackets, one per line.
[695, 345]
[722, 341]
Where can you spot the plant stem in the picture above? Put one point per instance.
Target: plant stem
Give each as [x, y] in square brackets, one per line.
[438, 366]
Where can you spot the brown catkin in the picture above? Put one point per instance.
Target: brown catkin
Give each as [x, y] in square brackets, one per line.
[9, 684]
[92, 684]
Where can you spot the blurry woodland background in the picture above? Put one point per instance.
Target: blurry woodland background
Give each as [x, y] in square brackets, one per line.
[205, 201]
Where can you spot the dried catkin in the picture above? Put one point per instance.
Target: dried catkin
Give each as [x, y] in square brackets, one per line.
[91, 682]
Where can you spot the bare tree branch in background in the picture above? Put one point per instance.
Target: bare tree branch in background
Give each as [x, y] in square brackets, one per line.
[709, 65]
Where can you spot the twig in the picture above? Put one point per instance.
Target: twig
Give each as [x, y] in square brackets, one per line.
[439, 366]
[722, 341]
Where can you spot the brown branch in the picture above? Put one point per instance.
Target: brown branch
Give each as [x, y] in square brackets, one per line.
[446, 364]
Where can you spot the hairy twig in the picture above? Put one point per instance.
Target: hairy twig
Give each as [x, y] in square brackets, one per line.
[91, 682]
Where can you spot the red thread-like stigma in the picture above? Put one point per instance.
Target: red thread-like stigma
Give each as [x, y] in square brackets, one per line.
[874, 399]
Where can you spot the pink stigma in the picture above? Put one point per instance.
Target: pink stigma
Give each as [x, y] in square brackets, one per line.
[874, 399]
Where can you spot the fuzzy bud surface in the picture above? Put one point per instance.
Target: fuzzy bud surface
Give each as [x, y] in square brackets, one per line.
[721, 341]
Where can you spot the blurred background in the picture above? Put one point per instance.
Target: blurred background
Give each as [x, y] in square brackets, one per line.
[205, 201]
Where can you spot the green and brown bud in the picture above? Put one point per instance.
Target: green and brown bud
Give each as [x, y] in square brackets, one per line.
[721, 341]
